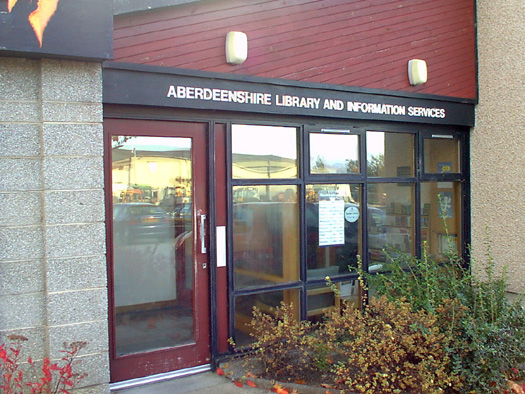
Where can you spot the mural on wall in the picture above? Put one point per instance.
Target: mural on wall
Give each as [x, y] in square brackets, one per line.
[57, 28]
[40, 17]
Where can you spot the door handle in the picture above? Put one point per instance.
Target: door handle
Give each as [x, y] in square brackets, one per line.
[202, 231]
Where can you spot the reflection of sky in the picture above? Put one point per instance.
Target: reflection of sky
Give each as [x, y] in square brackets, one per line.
[265, 140]
[375, 143]
[333, 148]
[157, 144]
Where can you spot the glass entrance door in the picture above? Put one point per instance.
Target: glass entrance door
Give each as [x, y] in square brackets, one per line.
[158, 270]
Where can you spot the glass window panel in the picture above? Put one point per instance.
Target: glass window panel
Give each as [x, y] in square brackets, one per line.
[152, 227]
[264, 152]
[334, 153]
[263, 301]
[441, 218]
[390, 220]
[265, 235]
[442, 155]
[389, 154]
[320, 298]
[333, 229]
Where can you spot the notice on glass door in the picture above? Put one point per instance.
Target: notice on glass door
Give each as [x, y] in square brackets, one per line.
[331, 219]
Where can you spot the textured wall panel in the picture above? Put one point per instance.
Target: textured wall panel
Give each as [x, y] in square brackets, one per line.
[364, 43]
[498, 143]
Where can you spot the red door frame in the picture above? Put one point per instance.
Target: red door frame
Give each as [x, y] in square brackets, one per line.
[166, 360]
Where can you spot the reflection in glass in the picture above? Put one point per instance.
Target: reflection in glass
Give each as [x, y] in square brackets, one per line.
[264, 302]
[442, 155]
[391, 219]
[152, 248]
[264, 152]
[334, 153]
[265, 235]
[441, 218]
[320, 298]
[389, 154]
[333, 229]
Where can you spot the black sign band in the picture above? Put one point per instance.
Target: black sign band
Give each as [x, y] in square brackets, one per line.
[169, 89]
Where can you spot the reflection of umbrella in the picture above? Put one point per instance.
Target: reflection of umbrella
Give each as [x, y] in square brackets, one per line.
[181, 238]
[184, 266]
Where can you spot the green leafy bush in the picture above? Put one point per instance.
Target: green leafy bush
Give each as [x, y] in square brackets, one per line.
[431, 326]
[487, 331]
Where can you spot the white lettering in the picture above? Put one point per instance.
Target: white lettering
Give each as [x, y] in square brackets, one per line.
[285, 100]
[376, 108]
[427, 112]
[333, 104]
[295, 101]
[171, 92]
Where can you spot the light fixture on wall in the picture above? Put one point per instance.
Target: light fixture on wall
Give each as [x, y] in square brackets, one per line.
[236, 47]
[417, 71]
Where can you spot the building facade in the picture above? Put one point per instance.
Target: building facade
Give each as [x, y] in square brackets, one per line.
[149, 202]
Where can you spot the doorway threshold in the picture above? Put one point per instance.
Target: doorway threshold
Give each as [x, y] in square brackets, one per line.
[127, 384]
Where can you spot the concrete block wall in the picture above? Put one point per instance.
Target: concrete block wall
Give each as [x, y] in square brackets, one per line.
[498, 140]
[52, 237]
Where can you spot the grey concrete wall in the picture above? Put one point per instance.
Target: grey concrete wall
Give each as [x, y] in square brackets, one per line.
[498, 140]
[52, 237]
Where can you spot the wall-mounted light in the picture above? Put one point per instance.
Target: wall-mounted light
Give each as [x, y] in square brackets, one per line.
[236, 47]
[417, 71]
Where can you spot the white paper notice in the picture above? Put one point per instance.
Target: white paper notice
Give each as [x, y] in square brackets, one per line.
[221, 246]
[331, 219]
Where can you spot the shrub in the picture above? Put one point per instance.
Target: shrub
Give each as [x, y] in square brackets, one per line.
[388, 348]
[487, 331]
[432, 327]
[18, 377]
[281, 342]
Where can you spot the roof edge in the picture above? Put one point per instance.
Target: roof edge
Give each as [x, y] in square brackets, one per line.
[122, 7]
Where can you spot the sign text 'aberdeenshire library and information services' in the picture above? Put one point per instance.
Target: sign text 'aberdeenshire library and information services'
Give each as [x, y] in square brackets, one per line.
[149, 86]
[292, 101]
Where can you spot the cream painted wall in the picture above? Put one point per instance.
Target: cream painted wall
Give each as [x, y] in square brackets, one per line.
[498, 140]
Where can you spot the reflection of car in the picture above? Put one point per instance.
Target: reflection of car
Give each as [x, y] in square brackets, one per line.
[246, 194]
[182, 211]
[137, 221]
[183, 217]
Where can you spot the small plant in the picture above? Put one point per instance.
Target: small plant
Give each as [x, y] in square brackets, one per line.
[47, 377]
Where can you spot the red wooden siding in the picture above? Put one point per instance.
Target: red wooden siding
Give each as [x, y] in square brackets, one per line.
[364, 43]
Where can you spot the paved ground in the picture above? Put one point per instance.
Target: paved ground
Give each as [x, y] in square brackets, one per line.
[202, 383]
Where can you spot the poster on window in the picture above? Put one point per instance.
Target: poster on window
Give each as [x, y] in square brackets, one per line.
[331, 219]
[446, 205]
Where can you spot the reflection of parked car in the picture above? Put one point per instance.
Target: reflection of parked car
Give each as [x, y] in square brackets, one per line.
[137, 221]
[246, 194]
[183, 211]
[183, 217]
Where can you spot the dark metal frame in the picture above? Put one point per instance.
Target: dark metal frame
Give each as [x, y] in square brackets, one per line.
[304, 177]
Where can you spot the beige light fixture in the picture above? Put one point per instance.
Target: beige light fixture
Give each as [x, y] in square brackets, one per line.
[417, 71]
[236, 47]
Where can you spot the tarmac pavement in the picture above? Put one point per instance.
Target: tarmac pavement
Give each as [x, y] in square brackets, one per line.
[202, 383]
